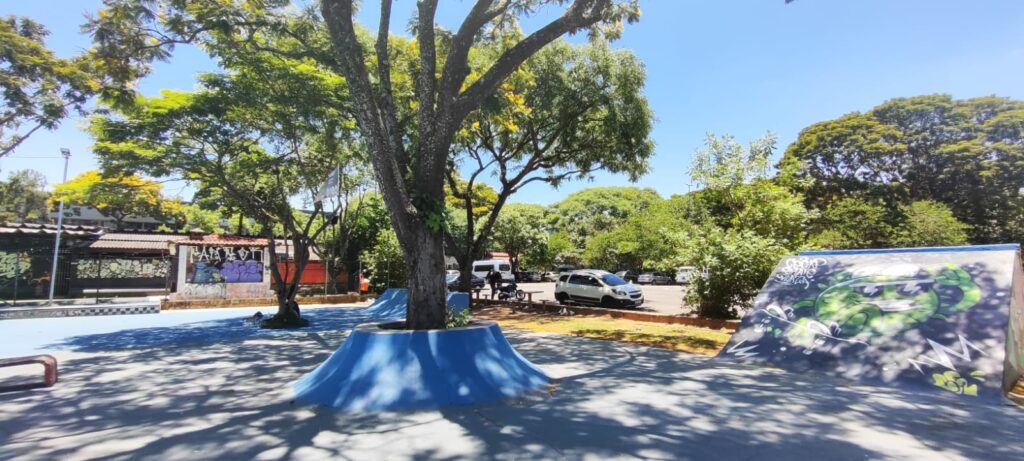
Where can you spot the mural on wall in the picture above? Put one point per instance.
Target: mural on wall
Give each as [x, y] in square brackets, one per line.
[929, 318]
[14, 264]
[15, 272]
[211, 264]
[122, 268]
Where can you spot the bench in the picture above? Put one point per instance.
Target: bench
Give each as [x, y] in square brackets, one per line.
[48, 362]
[529, 298]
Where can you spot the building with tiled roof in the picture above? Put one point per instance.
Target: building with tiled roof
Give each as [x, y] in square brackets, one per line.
[134, 242]
[198, 239]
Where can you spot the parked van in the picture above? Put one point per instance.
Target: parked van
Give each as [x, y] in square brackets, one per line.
[481, 268]
[685, 274]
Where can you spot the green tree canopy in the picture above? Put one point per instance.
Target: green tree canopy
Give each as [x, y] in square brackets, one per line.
[598, 209]
[37, 89]
[23, 197]
[929, 223]
[408, 141]
[118, 196]
[262, 136]
[966, 154]
[567, 112]
[521, 232]
[644, 241]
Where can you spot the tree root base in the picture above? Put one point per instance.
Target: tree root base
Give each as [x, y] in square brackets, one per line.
[278, 322]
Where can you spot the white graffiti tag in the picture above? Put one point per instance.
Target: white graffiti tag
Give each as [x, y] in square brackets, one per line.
[742, 351]
[942, 353]
[798, 271]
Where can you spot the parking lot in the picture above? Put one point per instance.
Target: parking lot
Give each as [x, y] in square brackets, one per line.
[666, 299]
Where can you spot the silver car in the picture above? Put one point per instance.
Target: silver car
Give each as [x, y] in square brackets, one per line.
[653, 278]
[597, 287]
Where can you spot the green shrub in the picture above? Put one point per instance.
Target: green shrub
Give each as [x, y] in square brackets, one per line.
[737, 263]
[458, 320]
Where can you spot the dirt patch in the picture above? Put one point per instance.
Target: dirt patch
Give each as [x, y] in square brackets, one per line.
[682, 338]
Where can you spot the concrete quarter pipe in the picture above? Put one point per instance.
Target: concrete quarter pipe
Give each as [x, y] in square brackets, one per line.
[948, 319]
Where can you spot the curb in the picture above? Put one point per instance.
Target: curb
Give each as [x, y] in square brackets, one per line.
[714, 324]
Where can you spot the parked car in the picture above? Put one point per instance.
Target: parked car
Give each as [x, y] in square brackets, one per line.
[628, 276]
[653, 278]
[550, 277]
[533, 277]
[597, 287]
[452, 280]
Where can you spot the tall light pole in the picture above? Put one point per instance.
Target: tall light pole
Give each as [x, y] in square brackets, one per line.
[64, 151]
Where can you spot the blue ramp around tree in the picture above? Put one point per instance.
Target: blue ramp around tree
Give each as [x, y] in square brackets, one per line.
[384, 298]
[378, 369]
[394, 305]
[949, 318]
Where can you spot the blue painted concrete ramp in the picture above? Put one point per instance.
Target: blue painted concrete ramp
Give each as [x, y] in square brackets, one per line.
[392, 304]
[378, 369]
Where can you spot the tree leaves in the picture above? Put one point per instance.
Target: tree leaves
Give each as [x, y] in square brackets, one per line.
[967, 155]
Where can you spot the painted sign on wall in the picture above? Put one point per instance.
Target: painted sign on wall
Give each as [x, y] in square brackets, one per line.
[123, 268]
[213, 264]
[935, 317]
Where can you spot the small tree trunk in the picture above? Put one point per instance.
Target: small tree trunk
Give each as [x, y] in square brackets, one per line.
[284, 308]
[287, 306]
[468, 246]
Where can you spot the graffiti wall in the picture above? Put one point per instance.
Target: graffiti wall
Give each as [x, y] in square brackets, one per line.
[210, 264]
[930, 317]
[15, 273]
[215, 272]
[123, 268]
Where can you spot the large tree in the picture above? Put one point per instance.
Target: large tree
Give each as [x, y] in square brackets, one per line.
[117, 196]
[264, 136]
[37, 89]
[967, 154]
[566, 113]
[598, 209]
[410, 152]
[520, 231]
[23, 197]
[644, 241]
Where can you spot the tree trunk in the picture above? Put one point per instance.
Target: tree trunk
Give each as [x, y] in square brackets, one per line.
[287, 306]
[424, 263]
[468, 244]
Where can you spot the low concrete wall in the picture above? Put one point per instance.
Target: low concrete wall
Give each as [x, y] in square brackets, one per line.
[257, 302]
[715, 324]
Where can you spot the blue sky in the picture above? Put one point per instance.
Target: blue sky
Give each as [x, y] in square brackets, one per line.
[743, 67]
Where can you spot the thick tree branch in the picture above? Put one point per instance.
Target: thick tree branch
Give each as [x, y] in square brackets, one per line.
[581, 14]
[427, 86]
[455, 67]
[338, 14]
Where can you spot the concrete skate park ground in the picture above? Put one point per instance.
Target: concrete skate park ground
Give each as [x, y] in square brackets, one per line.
[203, 385]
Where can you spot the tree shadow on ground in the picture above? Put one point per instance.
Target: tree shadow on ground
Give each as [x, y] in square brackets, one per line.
[223, 331]
[224, 395]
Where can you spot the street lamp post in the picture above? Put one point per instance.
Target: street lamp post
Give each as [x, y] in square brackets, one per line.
[60, 226]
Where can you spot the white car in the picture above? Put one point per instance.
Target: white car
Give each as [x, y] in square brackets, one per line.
[597, 287]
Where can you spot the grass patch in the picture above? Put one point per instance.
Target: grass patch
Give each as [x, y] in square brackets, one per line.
[682, 338]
